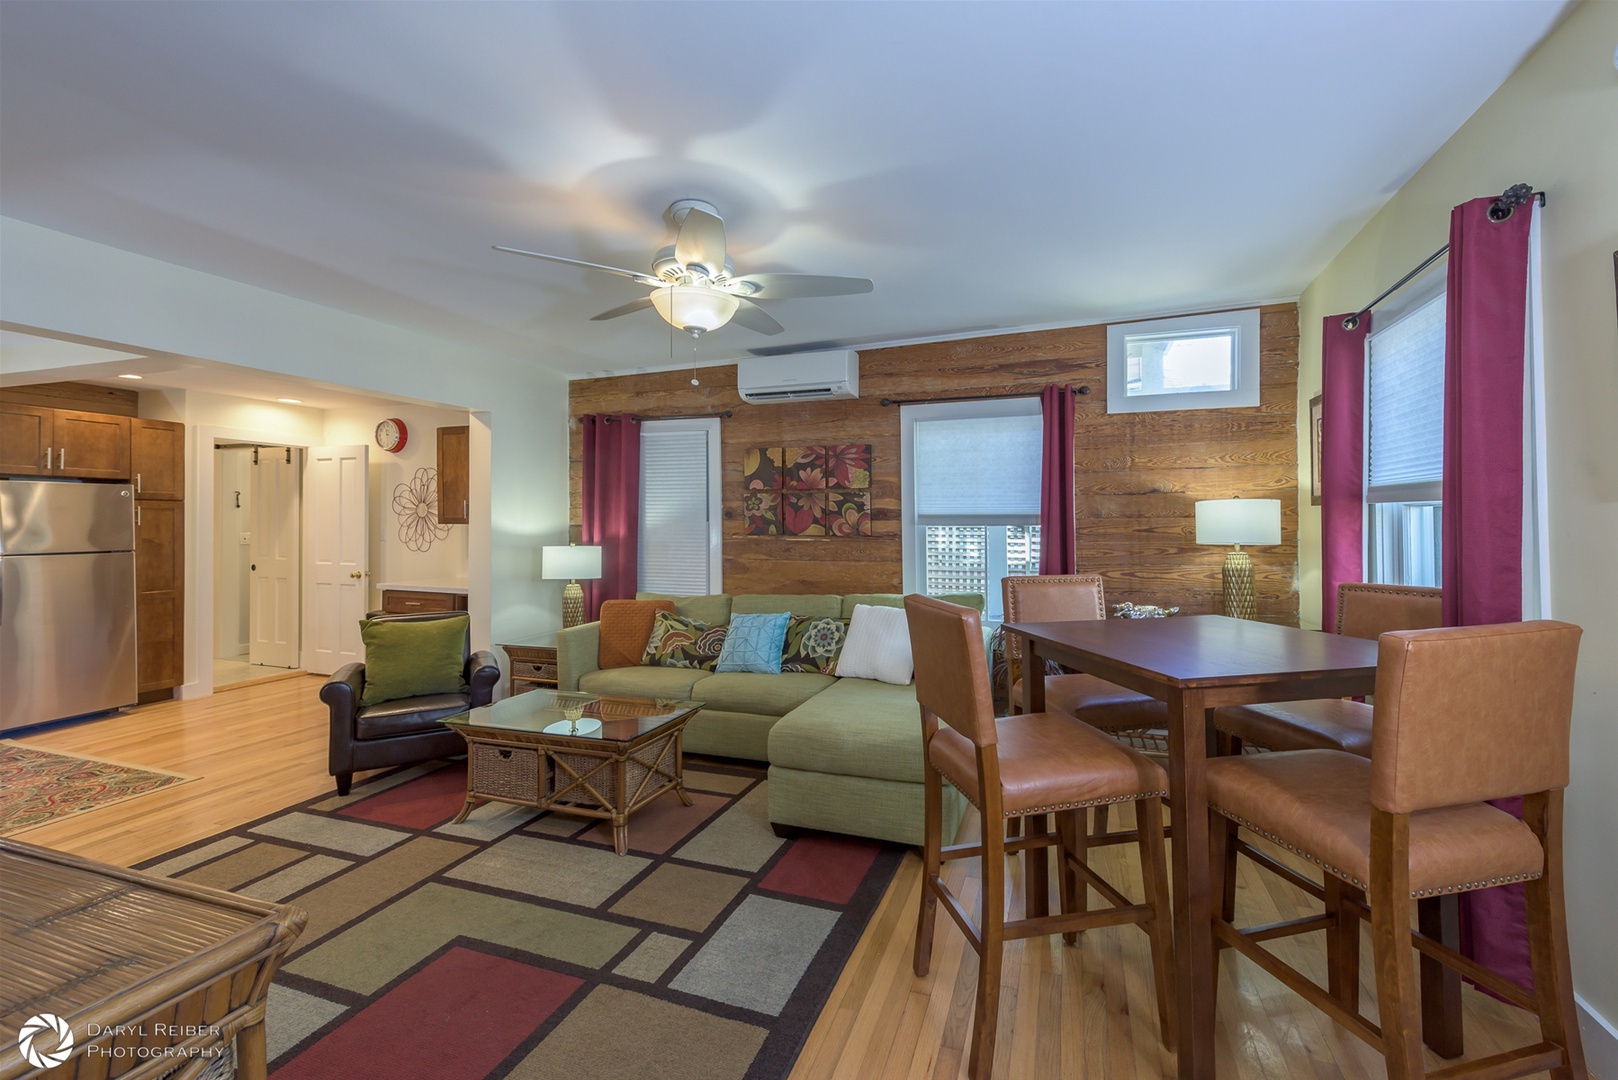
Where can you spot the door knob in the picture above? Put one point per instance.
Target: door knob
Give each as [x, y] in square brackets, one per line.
[355, 574]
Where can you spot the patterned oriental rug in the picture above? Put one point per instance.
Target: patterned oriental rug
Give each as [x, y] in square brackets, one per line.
[516, 944]
[39, 786]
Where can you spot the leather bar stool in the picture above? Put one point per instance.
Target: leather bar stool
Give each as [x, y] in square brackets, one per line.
[1463, 716]
[1014, 767]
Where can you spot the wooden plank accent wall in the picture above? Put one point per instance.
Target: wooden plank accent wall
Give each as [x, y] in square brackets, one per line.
[1137, 474]
[80, 397]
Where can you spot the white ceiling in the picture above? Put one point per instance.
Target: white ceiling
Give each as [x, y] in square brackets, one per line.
[988, 165]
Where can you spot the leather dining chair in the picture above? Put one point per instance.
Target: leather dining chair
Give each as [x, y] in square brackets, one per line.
[1077, 598]
[1014, 767]
[1413, 821]
[1364, 610]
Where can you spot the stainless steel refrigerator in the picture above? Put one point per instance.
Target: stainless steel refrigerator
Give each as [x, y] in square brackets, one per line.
[67, 600]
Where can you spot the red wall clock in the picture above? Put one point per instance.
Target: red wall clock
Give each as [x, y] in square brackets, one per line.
[391, 435]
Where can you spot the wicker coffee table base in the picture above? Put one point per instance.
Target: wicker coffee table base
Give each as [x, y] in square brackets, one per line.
[589, 777]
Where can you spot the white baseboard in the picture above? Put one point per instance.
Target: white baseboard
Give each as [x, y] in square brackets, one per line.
[1600, 1042]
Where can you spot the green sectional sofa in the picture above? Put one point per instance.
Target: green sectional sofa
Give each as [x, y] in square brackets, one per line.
[844, 754]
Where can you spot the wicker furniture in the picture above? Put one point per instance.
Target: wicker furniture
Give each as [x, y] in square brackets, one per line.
[602, 757]
[533, 666]
[150, 975]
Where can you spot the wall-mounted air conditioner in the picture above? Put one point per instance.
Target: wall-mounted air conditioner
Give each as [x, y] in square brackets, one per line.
[816, 376]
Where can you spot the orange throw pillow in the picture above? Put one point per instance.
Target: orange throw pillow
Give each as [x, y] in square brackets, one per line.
[626, 625]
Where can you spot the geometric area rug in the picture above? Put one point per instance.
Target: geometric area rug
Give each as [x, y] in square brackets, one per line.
[517, 944]
[40, 786]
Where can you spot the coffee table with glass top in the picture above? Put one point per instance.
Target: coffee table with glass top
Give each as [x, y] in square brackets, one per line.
[596, 756]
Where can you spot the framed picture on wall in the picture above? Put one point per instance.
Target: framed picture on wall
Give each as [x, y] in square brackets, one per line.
[1314, 450]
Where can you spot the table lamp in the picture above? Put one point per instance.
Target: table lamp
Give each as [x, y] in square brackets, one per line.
[569, 564]
[1239, 521]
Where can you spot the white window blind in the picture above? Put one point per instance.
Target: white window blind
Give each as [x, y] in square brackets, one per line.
[1405, 447]
[675, 525]
[978, 468]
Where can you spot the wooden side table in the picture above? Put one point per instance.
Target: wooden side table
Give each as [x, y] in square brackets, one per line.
[532, 667]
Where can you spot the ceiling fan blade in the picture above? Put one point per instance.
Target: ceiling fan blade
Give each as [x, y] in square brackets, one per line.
[624, 309]
[786, 286]
[755, 318]
[701, 243]
[644, 279]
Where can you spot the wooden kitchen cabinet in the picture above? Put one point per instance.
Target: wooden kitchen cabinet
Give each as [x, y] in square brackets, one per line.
[454, 471]
[36, 441]
[27, 434]
[157, 456]
[159, 594]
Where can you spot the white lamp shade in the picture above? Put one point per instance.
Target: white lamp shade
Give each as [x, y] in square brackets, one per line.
[1239, 521]
[694, 307]
[570, 563]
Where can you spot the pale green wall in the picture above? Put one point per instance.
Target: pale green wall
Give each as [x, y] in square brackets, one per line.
[1553, 124]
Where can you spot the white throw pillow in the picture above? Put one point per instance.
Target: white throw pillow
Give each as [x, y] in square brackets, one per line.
[878, 646]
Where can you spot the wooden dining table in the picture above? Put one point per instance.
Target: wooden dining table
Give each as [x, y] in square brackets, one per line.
[1195, 664]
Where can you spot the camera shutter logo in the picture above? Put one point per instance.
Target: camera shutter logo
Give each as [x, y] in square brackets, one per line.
[45, 1025]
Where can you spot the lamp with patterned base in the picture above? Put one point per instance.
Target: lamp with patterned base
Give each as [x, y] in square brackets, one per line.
[1239, 521]
[569, 564]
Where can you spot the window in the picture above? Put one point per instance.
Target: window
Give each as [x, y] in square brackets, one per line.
[970, 495]
[679, 507]
[1193, 362]
[1404, 443]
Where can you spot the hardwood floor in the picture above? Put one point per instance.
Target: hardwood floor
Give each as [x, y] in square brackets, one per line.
[1082, 1012]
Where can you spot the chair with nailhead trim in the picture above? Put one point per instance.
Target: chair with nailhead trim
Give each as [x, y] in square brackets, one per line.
[1463, 716]
[1021, 766]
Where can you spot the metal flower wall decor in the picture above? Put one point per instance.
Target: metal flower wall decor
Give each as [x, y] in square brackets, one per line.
[416, 503]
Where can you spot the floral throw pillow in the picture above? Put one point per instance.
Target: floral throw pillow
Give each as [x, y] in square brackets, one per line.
[684, 643]
[812, 644]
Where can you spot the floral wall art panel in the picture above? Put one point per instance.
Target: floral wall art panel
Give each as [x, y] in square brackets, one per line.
[848, 513]
[848, 466]
[761, 470]
[761, 513]
[807, 490]
[803, 513]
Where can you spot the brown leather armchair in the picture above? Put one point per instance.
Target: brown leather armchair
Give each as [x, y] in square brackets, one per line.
[404, 731]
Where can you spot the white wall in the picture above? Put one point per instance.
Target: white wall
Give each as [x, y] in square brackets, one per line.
[56, 282]
[1553, 124]
[391, 558]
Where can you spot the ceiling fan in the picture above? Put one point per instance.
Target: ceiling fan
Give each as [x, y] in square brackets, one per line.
[696, 288]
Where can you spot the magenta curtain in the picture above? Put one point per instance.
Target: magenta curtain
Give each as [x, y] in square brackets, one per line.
[1485, 325]
[1058, 540]
[1342, 459]
[610, 504]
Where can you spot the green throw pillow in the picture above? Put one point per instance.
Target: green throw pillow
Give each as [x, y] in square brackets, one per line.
[411, 658]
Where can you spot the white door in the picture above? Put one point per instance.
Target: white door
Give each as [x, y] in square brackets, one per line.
[273, 598]
[335, 538]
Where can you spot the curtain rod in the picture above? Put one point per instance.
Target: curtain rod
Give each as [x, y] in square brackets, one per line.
[1513, 197]
[726, 415]
[968, 397]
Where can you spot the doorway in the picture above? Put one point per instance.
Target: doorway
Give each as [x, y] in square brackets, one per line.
[257, 581]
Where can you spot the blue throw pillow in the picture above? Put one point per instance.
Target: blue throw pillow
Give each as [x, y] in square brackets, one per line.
[754, 643]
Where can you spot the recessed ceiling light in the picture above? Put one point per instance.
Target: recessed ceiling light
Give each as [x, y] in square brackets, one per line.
[131, 376]
[290, 400]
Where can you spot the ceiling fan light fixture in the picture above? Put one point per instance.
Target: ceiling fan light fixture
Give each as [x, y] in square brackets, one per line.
[694, 308]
